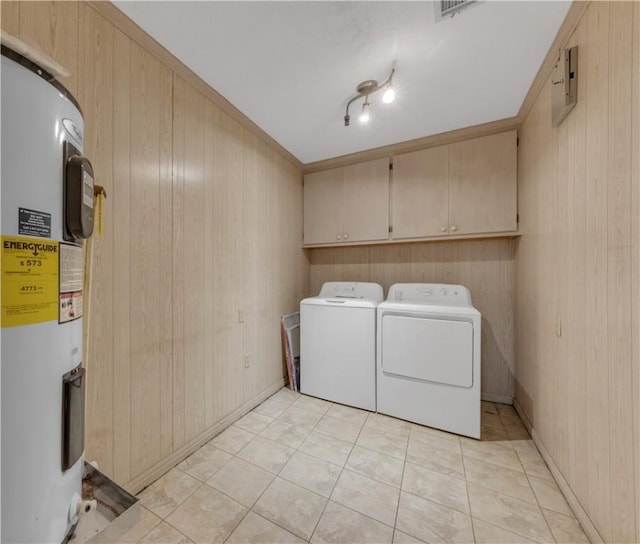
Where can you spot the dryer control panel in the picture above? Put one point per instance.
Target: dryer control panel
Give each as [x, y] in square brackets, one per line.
[430, 293]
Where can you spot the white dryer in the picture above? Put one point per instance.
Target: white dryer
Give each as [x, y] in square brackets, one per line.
[428, 357]
[338, 343]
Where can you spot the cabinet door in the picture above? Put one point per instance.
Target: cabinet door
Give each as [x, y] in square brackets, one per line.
[323, 207]
[420, 193]
[365, 210]
[483, 184]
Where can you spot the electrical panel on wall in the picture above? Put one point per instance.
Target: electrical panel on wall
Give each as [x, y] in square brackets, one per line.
[564, 85]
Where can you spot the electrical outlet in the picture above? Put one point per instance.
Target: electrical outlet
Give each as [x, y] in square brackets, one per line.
[247, 361]
[240, 316]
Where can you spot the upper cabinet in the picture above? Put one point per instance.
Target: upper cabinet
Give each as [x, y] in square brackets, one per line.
[464, 189]
[420, 193]
[347, 204]
[483, 184]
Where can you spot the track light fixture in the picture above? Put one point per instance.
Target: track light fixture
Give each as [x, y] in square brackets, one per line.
[367, 88]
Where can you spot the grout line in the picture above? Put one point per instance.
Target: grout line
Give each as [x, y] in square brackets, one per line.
[537, 500]
[404, 466]
[466, 485]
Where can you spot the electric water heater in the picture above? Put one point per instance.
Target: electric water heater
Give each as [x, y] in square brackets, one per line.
[46, 213]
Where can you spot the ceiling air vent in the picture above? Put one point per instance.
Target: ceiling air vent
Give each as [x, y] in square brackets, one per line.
[449, 8]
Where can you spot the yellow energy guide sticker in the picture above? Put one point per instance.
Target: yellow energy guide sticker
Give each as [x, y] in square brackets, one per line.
[29, 280]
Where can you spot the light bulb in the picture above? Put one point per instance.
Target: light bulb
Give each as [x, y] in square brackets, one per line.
[389, 95]
[364, 116]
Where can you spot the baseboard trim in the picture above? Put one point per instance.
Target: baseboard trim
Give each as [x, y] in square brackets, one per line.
[494, 397]
[150, 475]
[587, 525]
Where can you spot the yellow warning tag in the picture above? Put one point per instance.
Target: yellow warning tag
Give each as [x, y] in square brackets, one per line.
[29, 280]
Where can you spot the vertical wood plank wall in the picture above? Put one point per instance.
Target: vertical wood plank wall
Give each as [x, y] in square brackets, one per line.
[578, 304]
[486, 267]
[202, 229]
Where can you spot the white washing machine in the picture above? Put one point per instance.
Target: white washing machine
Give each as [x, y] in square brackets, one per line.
[338, 343]
[428, 357]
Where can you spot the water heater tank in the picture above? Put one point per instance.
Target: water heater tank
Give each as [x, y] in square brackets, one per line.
[46, 212]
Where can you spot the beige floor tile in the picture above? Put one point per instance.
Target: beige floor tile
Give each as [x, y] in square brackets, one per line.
[435, 438]
[514, 515]
[298, 416]
[286, 433]
[493, 434]
[492, 420]
[255, 529]
[488, 407]
[536, 468]
[113, 534]
[341, 525]
[348, 413]
[432, 522]
[232, 439]
[376, 465]
[498, 453]
[319, 406]
[435, 486]
[326, 447]
[338, 428]
[292, 507]
[266, 454]
[286, 395]
[165, 534]
[486, 533]
[311, 473]
[549, 496]
[242, 481]
[525, 448]
[565, 529]
[389, 425]
[207, 516]
[510, 482]
[270, 408]
[205, 462]
[383, 442]
[165, 494]
[367, 496]
[425, 455]
[403, 538]
[506, 410]
[514, 427]
[253, 422]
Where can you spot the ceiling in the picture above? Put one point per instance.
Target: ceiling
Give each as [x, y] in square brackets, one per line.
[292, 66]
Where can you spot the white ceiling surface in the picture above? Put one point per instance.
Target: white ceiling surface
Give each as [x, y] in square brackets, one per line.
[292, 66]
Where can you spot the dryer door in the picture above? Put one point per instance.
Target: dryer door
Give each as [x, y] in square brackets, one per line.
[427, 348]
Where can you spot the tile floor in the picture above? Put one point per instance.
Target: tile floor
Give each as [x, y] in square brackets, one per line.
[299, 469]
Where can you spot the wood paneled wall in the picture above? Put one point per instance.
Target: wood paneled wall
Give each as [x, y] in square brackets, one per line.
[200, 252]
[578, 295]
[486, 267]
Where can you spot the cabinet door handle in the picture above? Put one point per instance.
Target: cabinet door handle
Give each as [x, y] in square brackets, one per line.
[338, 237]
[345, 236]
[454, 228]
[444, 229]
